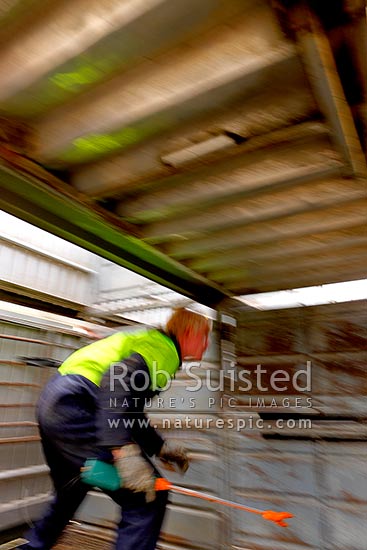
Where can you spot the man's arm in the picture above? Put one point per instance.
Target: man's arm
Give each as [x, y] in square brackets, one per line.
[120, 416]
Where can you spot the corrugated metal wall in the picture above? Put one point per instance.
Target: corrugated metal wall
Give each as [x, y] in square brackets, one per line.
[313, 464]
[24, 481]
[36, 262]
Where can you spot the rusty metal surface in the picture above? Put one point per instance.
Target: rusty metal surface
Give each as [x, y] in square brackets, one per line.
[331, 338]
[110, 133]
[316, 470]
[311, 480]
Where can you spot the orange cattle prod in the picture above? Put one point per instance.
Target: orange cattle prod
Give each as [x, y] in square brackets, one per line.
[101, 474]
[163, 484]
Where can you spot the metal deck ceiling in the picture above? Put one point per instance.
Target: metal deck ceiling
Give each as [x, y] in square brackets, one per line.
[217, 147]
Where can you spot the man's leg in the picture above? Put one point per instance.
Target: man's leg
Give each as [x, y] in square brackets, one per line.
[69, 492]
[141, 522]
[59, 512]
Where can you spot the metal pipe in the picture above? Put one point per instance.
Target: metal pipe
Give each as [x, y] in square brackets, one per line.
[25, 423]
[20, 384]
[22, 439]
[35, 341]
[18, 405]
[24, 472]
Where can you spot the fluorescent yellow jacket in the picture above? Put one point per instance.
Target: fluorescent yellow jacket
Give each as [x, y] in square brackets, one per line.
[158, 351]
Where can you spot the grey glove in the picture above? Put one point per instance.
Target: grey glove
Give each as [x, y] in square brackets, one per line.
[172, 452]
[136, 472]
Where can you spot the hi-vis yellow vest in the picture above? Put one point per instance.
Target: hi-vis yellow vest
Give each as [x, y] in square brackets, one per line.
[157, 349]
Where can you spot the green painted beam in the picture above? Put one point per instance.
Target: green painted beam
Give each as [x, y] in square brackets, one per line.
[59, 213]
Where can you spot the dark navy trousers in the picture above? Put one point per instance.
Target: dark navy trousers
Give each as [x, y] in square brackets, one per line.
[66, 415]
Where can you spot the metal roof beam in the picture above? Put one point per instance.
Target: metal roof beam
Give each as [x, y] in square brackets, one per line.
[87, 42]
[294, 225]
[217, 67]
[292, 278]
[256, 119]
[320, 66]
[66, 47]
[53, 207]
[263, 269]
[262, 206]
[293, 154]
[315, 243]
